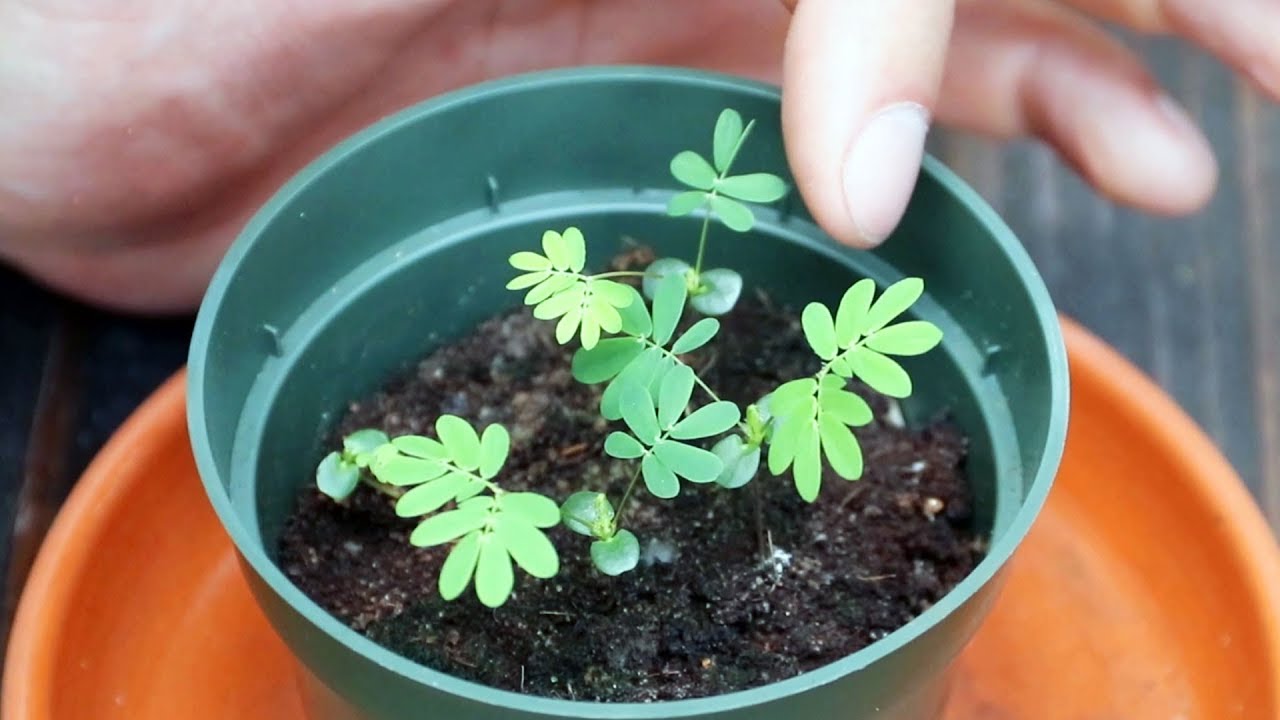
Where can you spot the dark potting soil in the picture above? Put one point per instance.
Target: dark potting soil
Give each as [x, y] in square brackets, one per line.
[735, 588]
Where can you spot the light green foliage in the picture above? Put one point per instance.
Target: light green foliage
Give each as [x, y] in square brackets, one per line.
[617, 555]
[338, 474]
[712, 292]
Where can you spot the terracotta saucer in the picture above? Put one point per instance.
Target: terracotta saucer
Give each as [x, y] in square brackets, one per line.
[1150, 587]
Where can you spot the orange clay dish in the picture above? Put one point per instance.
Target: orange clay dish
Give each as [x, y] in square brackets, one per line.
[1149, 587]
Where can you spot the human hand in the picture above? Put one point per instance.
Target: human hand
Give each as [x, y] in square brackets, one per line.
[139, 135]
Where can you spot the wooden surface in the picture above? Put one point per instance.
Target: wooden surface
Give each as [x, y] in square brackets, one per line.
[1191, 301]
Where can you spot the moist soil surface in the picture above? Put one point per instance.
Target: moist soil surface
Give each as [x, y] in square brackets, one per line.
[735, 589]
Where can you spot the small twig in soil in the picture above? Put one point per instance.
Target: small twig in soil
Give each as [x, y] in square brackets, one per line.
[573, 450]
[710, 363]
[556, 613]
[874, 578]
[521, 678]
[853, 493]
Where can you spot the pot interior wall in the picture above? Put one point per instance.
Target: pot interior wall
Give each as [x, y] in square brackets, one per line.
[436, 285]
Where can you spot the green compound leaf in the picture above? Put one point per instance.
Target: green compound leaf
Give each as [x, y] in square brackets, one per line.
[707, 421]
[734, 214]
[639, 413]
[336, 478]
[892, 302]
[482, 502]
[845, 406]
[691, 463]
[588, 513]
[528, 546]
[635, 316]
[807, 470]
[914, 337]
[840, 366]
[529, 261]
[562, 302]
[604, 361]
[853, 311]
[470, 490]
[659, 478]
[420, 447]
[460, 441]
[538, 510]
[658, 271]
[840, 447]
[576, 247]
[790, 431]
[622, 446]
[819, 330]
[696, 336]
[402, 470]
[686, 202]
[494, 446]
[617, 555]
[556, 249]
[791, 395]
[568, 325]
[528, 280]
[725, 140]
[668, 306]
[449, 525]
[364, 441]
[693, 170]
[613, 293]
[753, 187]
[494, 576]
[455, 574]
[430, 497]
[740, 462]
[882, 373]
[674, 395]
[551, 286]
[646, 370]
[720, 291]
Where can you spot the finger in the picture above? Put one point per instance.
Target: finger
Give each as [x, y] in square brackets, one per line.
[1243, 33]
[1022, 67]
[859, 83]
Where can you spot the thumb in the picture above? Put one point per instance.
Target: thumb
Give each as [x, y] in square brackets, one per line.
[860, 79]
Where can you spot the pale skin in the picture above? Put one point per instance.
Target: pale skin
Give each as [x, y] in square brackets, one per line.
[137, 136]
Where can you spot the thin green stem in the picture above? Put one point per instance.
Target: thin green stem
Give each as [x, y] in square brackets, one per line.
[706, 221]
[702, 239]
[626, 497]
[389, 490]
[618, 273]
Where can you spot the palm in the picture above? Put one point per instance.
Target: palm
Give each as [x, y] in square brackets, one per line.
[144, 143]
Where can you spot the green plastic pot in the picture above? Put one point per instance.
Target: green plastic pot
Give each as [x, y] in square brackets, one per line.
[395, 242]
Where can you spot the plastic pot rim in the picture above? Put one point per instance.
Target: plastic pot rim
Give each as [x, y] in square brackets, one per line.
[252, 553]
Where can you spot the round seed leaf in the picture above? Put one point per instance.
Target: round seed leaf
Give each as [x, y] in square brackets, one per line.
[807, 470]
[336, 478]
[605, 360]
[545, 289]
[853, 310]
[617, 555]
[430, 497]
[556, 249]
[529, 261]
[460, 441]
[697, 336]
[707, 421]
[448, 525]
[538, 510]
[659, 269]
[588, 513]
[892, 302]
[819, 330]
[693, 170]
[639, 413]
[914, 337]
[882, 373]
[528, 546]
[364, 441]
[734, 214]
[740, 462]
[623, 446]
[659, 478]
[494, 577]
[728, 134]
[686, 202]
[420, 447]
[458, 567]
[674, 395]
[722, 289]
[843, 452]
[402, 470]
[754, 187]
[691, 463]
[668, 306]
[576, 247]
[494, 446]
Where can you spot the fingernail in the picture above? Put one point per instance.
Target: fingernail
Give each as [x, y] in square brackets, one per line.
[881, 168]
[1177, 118]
